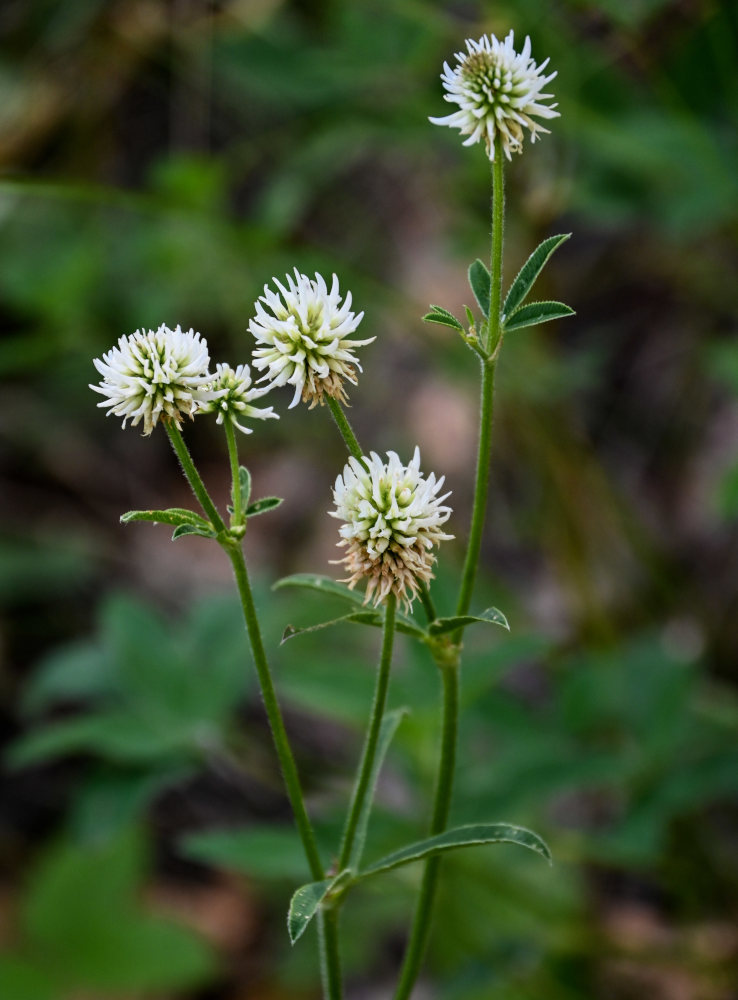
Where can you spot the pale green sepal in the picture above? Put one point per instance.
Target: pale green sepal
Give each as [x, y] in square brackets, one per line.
[536, 312]
[481, 285]
[305, 902]
[530, 271]
[262, 506]
[387, 731]
[172, 515]
[461, 836]
[491, 616]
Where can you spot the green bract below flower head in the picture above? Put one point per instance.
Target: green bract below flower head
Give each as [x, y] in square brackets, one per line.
[393, 519]
[153, 375]
[235, 393]
[303, 333]
[498, 91]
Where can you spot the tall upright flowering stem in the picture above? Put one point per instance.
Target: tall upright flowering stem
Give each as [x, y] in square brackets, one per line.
[450, 663]
[370, 746]
[266, 684]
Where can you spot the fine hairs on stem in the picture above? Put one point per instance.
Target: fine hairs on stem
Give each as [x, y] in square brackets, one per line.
[392, 514]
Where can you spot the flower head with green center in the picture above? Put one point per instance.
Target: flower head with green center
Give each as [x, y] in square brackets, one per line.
[155, 375]
[393, 517]
[498, 91]
[235, 394]
[303, 334]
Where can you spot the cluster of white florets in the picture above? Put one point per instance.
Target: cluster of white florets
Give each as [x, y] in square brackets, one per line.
[235, 394]
[155, 375]
[393, 519]
[498, 92]
[303, 333]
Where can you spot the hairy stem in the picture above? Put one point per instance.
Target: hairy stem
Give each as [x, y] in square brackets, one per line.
[370, 746]
[441, 807]
[274, 713]
[450, 670]
[233, 458]
[193, 476]
[344, 427]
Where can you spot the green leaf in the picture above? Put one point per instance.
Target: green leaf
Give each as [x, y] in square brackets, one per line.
[193, 529]
[21, 980]
[173, 515]
[262, 506]
[492, 616]
[442, 320]
[243, 485]
[462, 836]
[305, 902]
[82, 913]
[265, 851]
[537, 312]
[366, 616]
[324, 584]
[530, 271]
[481, 285]
[440, 315]
[469, 317]
[387, 731]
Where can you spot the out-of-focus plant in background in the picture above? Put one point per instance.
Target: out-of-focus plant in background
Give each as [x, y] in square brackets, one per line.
[160, 163]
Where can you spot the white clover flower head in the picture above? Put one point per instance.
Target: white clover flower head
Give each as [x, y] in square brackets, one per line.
[303, 334]
[155, 375]
[235, 393]
[393, 517]
[498, 91]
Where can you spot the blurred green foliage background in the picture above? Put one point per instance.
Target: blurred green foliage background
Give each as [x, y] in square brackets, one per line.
[160, 162]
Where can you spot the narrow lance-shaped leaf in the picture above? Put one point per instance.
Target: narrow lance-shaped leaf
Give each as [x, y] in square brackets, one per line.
[193, 529]
[262, 506]
[492, 616]
[535, 313]
[364, 617]
[305, 902]
[386, 734]
[440, 315]
[172, 515]
[481, 285]
[530, 271]
[434, 317]
[462, 836]
[324, 584]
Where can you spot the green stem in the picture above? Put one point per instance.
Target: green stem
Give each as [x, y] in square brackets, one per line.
[233, 457]
[481, 488]
[427, 601]
[193, 476]
[344, 427]
[495, 270]
[330, 956]
[274, 713]
[370, 746]
[486, 409]
[441, 808]
[450, 668]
